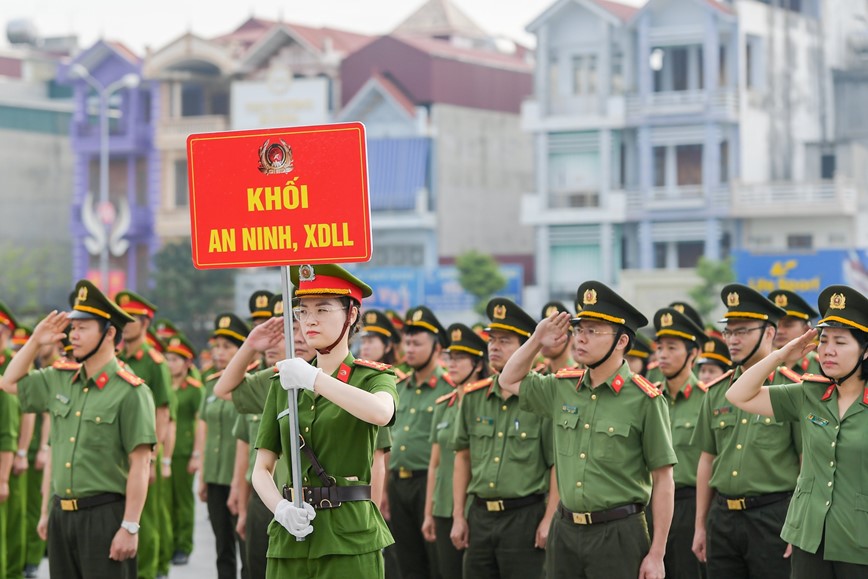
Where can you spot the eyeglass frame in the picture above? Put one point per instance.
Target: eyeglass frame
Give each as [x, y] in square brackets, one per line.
[302, 315]
[740, 333]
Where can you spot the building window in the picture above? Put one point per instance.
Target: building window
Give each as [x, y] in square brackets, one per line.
[679, 59]
[689, 164]
[754, 64]
[660, 250]
[724, 161]
[800, 241]
[585, 74]
[181, 193]
[827, 166]
[617, 73]
[689, 253]
[659, 166]
[722, 76]
[553, 74]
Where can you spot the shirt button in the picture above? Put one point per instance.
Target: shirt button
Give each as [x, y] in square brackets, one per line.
[499, 435]
[69, 491]
[403, 447]
[687, 424]
[587, 426]
[735, 473]
[503, 407]
[71, 439]
[738, 447]
[833, 444]
[496, 459]
[98, 419]
[78, 413]
[418, 390]
[412, 411]
[828, 484]
[828, 503]
[744, 420]
[524, 434]
[306, 429]
[768, 420]
[837, 427]
[579, 484]
[491, 485]
[831, 463]
[611, 429]
[583, 456]
[313, 408]
[593, 396]
[406, 429]
[68, 465]
[430, 409]
[85, 390]
[722, 423]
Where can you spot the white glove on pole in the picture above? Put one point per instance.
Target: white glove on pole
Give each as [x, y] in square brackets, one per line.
[296, 373]
[294, 519]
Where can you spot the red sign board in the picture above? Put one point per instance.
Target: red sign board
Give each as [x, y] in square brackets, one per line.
[279, 196]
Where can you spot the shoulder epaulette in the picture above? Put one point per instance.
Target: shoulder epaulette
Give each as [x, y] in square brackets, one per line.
[815, 378]
[369, 364]
[446, 397]
[720, 379]
[130, 377]
[701, 385]
[478, 385]
[63, 364]
[539, 367]
[400, 374]
[652, 365]
[214, 376]
[646, 386]
[794, 376]
[406, 376]
[156, 356]
[193, 382]
[253, 366]
[570, 373]
[448, 379]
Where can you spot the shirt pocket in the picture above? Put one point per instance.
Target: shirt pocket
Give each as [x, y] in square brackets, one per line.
[523, 437]
[566, 434]
[682, 432]
[98, 427]
[800, 501]
[770, 434]
[611, 441]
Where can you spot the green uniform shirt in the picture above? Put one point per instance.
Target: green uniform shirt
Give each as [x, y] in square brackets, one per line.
[344, 446]
[607, 439]
[510, 448]
[250, 395]
[189, 398]
[246, 429]
[831, 496]
[753, 455]
[384, 439]
[219, 416]
[810, 364]
[149, 365]
[683, 413]
[442, 429]
[410, 447]
[10, 412]
[96, 423]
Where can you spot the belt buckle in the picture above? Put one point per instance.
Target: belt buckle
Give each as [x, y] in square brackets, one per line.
[405, 473]
[736, 504]
[582, 518]
[494, 506]
[69, 504]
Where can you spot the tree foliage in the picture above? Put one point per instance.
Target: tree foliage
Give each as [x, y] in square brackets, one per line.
[190, 297]
[714, 275]
[34, 280]
[479, 275]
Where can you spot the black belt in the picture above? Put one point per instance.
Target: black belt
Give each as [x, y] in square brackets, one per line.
[330, 497]
[685, 493]
[405, 473]
[88, 502]
[745, 503]
[606, 516]
[498, 505]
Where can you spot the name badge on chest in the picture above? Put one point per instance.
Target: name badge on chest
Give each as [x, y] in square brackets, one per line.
[817, 420]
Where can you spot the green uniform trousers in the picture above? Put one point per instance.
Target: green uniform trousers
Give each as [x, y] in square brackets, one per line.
[167, 540]
[4, 527]
[747, 543]
[417, 559]
[35, 545]
[613, 550]
[364, 566]
[449, 559]
[501, 543]
[183, 506]
[149, 533]
[223, 524]
[81, 541]
[679, 561]
[256, 541]
[813, 566]
[16, 526]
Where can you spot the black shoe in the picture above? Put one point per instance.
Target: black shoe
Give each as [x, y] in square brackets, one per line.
[180, 558]
[30, 570]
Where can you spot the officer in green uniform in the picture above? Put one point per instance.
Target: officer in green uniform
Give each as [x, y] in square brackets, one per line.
[103, 432]
[555, 360]
[794, 324]
[751, 462]
[467, 361]
[714, 360]
[10, 416]
[260, 307]
[424, 338]
[147, 363]
[678, 340]
[189, 394]
[342, 403]
[612, 441]
[401, 368]
[217, 418]
[503, 465]
[639, 356]
[826, 522]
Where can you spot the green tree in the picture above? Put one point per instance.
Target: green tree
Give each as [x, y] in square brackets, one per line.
[479, 275]
[190, 297]
[35, 279]
[714, 275]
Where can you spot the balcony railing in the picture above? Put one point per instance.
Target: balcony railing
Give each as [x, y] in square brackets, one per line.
[837, 197]
[718, 102]
[172, 132]
[677, 198]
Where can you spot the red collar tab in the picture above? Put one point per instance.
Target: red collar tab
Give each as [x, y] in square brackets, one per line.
[432, 382]
[617, 384]
[344, 373]
[138, 355]
[828, 393]
[448, 379]
[865, 396]
[805, 363]
[101, 380]
[687, 390]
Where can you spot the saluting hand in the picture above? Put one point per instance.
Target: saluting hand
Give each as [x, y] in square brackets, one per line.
[51, 329]
[801, 346]
[552, 331]
[266, 335]
[124, 545]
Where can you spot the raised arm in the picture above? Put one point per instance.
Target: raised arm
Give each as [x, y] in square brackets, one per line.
[552, 331]
[48, 331]
[261, 338]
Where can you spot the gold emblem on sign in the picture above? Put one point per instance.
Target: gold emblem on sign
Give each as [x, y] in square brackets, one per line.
[82, 294]
[709, 346]
[499, 312]
[417, 315]
[665, 320]
[732, 299]
[837, 301]
[224, 322]
[306, 273]
[781, 300]
[456, 335]
[551, 310]
[278, 308]
[262, 301]
[370, 318]
[590, 297]
[678, 308]
[275, 158]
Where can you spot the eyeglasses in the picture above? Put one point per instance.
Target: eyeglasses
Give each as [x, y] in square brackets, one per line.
[739, 333]
[579, 331]
[304, 314]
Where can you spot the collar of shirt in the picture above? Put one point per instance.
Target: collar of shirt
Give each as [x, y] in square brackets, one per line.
[102, 376]
[615, 382]
[686, 391]
[432, 381]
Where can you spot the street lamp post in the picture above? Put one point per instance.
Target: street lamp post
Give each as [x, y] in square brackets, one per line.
[130, 81]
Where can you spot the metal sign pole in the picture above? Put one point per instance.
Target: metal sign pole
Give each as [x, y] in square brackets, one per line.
[292, 394]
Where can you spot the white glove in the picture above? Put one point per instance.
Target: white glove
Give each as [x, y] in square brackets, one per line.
[296, 373]
[295, 520]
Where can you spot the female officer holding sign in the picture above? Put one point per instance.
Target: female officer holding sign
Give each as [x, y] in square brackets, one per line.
[828, 515]
[342, 403]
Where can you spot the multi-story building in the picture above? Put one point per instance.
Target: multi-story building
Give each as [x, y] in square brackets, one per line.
[681, 129]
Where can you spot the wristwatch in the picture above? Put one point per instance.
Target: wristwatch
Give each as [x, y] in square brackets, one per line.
[130, 527]
[21, 453]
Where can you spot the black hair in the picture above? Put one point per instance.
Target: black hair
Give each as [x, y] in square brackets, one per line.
[388, 349]
[347, 303]
[862, 339]
[119, 335]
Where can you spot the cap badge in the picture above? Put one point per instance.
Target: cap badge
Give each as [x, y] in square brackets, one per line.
[678, 308]
[224, 322]
[278, 308]
[370, 318]
[709, 346]
[306, 273]
[590, 297]
[666, 320]
[732, 299]
[175, 342]
[837, 301]
[456, 335]
[82, 295]
[781, 300]
[124, 299]
[551, 310]
[417, 315]
[499, 312]
[262, 301]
